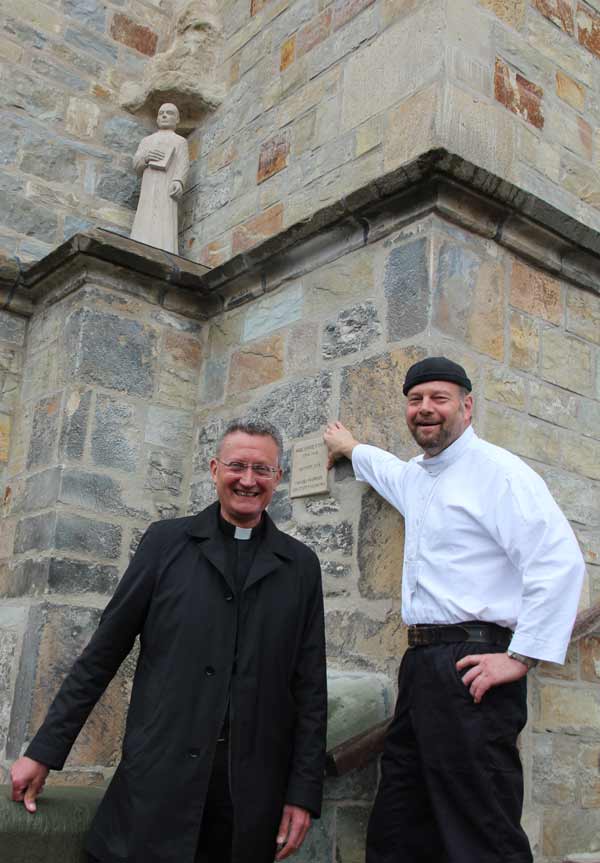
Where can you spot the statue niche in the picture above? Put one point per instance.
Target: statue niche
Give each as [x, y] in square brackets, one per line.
[186, 73]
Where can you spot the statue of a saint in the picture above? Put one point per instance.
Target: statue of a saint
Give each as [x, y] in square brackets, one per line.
[162, 158]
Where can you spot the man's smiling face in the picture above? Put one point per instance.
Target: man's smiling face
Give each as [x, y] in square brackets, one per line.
[437, 413]
[244, 496]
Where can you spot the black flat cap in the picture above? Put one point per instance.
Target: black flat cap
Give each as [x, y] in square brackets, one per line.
[435, 369]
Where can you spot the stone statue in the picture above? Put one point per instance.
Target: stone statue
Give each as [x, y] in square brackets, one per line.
[162, 159]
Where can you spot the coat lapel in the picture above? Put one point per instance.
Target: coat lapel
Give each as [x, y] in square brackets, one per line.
[205, 529]
[271, 554]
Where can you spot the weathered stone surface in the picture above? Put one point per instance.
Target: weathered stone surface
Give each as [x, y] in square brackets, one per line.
[66, 631]
[354, 330]
[326, 538]
[561, 835]
[12, 328]
[180, 365]
[44, 432]
[536, 293]
[98, 492]
[351, 279]
[524, 342]
[256, 364]
[319, 840]
[380, 548]
[276, 310]
[280, 508]
[322, 505]
[416, 113]
[35, 533]
[24, 578]
[510, 11]
[502, 385]
[111, 351]
[522, 435]
[83, 117]
[123, 134]
[202, 493]
[570, 91]
[519, 95]
[297, 408]
[134, 35]
[79, 534]
[81, 576]
[91, 13]
[568, 362]
[257, 229]
[5, 424]
[213, 380]
[356, 785]
[351, 834]
[564, 709]
[208, 435]
[27, 217]
[169, 427]
[354, 639]
[273, 156]
[554, 779]
[554, 405]
[382, 378]
[74, 424]
[588, 28]
[115, 435]
[557, 11]
[33, 95]
[407, 289]
[165, 472]
[581, 454]
[41, 489]
[583, 315]
[590, 659]
[50, 158]
[469, 301]
[118, 187]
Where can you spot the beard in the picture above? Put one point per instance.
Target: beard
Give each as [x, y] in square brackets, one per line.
[433, 441]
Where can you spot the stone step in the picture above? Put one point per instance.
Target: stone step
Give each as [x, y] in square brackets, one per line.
[593, 857]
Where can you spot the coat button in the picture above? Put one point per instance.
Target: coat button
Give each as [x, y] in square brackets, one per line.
[209, 671]
[228, 597]
[194, 753]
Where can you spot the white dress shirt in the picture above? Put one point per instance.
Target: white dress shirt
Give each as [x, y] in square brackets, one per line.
[485, 541]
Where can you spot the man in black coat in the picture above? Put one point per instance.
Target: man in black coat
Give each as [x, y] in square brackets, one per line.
[223, 754]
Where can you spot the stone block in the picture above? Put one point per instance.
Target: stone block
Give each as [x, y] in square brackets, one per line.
[568, 710]
[348, 280]
[407, 289]
[213, 380]
[581, 179]
[5, 424]
[302, 348]
[273, 156]
[114, 352]
[590, 659]
[345, 10]
[581, 454]
[41, 490]
[50, 158]
[554, 405]
[380, 548]
[568, 362]
[353, 330]
[576, 495]
[314, 32]
[351, 833]
[28, 218]
[417, 113]
[44, 432]
[356, 702]
[559, 12]
[536, 293]
[522, 435]
[257, 229]
[65, 632]
[554, 781]
[503, 386]
[353, 636]
[583, 314]
[208, 437]
[298, 408]
[86, 535]
[326, 538]
[164, 472]
[137, 36]
[382, 377]
[570, 91]
[85, 490]
[74, 424]
[469, 299]
[509, 11]
[169, 427]
[35, 533]
[280, 508]
[82, 118]
[81, 576]
[589, 416]
[27, 577]
[272, 312]
[519, 95]
[123, 134]
[9, 146]
[33, 95]
[588, 28]
[56, 73]
[524, 342]
[12, 328]
[91, 13]
[561, 835]
[115, 439]
[180, 365]
[256, 364]
[118, 187]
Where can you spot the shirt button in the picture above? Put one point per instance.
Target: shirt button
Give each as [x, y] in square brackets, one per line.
[228, 597]
[209, 671]
[193, 753]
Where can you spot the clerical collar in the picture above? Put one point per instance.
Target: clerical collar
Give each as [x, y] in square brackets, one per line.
[239, 532]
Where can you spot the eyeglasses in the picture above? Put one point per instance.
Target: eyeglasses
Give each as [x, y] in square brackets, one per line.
[240, 467]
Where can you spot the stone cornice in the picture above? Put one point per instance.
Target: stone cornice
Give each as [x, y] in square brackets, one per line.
[437, 182]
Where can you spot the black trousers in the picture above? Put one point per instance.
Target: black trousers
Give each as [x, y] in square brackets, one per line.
[451, 787]
[216, 832]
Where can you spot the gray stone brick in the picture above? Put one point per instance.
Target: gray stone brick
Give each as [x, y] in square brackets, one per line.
[50, 158]
[26, 578]
[114, 352]
[59, 75]
[354, 330]
[206, 445]
[24, 32]
[9, 146]
[169, 427]
[35, 533]
[75, 225]
[94, 491]
[33, 95]
[81, 576]
[326, 538]
[280, 508]
[299, 408]
[91, 13]
[165, 472]
[12, 328]
[44, 432]
[213, 381]
[10, 183]
[41, 489]
[118, 187]
[124, 134]
[74, 425]
[79, 534]
[407, 290]
[92, 44]
[116, 435]
[202, 493]
[28, 218]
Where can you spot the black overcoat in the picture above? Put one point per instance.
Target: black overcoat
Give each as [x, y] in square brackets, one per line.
[176, 597]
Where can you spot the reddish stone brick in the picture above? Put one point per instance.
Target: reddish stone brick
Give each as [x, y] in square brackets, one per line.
[557, 11]
[347, 9]
[273, 156]
[214, 254]
[519, 95]
[288, 53]
[314, 32]
[256, 364]
[136, 36]
[258, 228]
[588, 29]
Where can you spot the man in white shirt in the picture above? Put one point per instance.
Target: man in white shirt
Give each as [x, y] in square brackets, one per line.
[491, 582]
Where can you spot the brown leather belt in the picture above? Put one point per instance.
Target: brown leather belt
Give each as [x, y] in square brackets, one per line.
[483, 633]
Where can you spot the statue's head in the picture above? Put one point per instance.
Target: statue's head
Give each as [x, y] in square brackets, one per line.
[168, 116]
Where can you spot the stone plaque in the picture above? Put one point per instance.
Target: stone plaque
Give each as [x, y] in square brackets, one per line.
[309, 467]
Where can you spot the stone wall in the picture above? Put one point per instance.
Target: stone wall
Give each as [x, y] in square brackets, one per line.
[326, 96]
[66, 145]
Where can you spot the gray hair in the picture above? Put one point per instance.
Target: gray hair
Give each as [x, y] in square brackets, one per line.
[253, 427]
